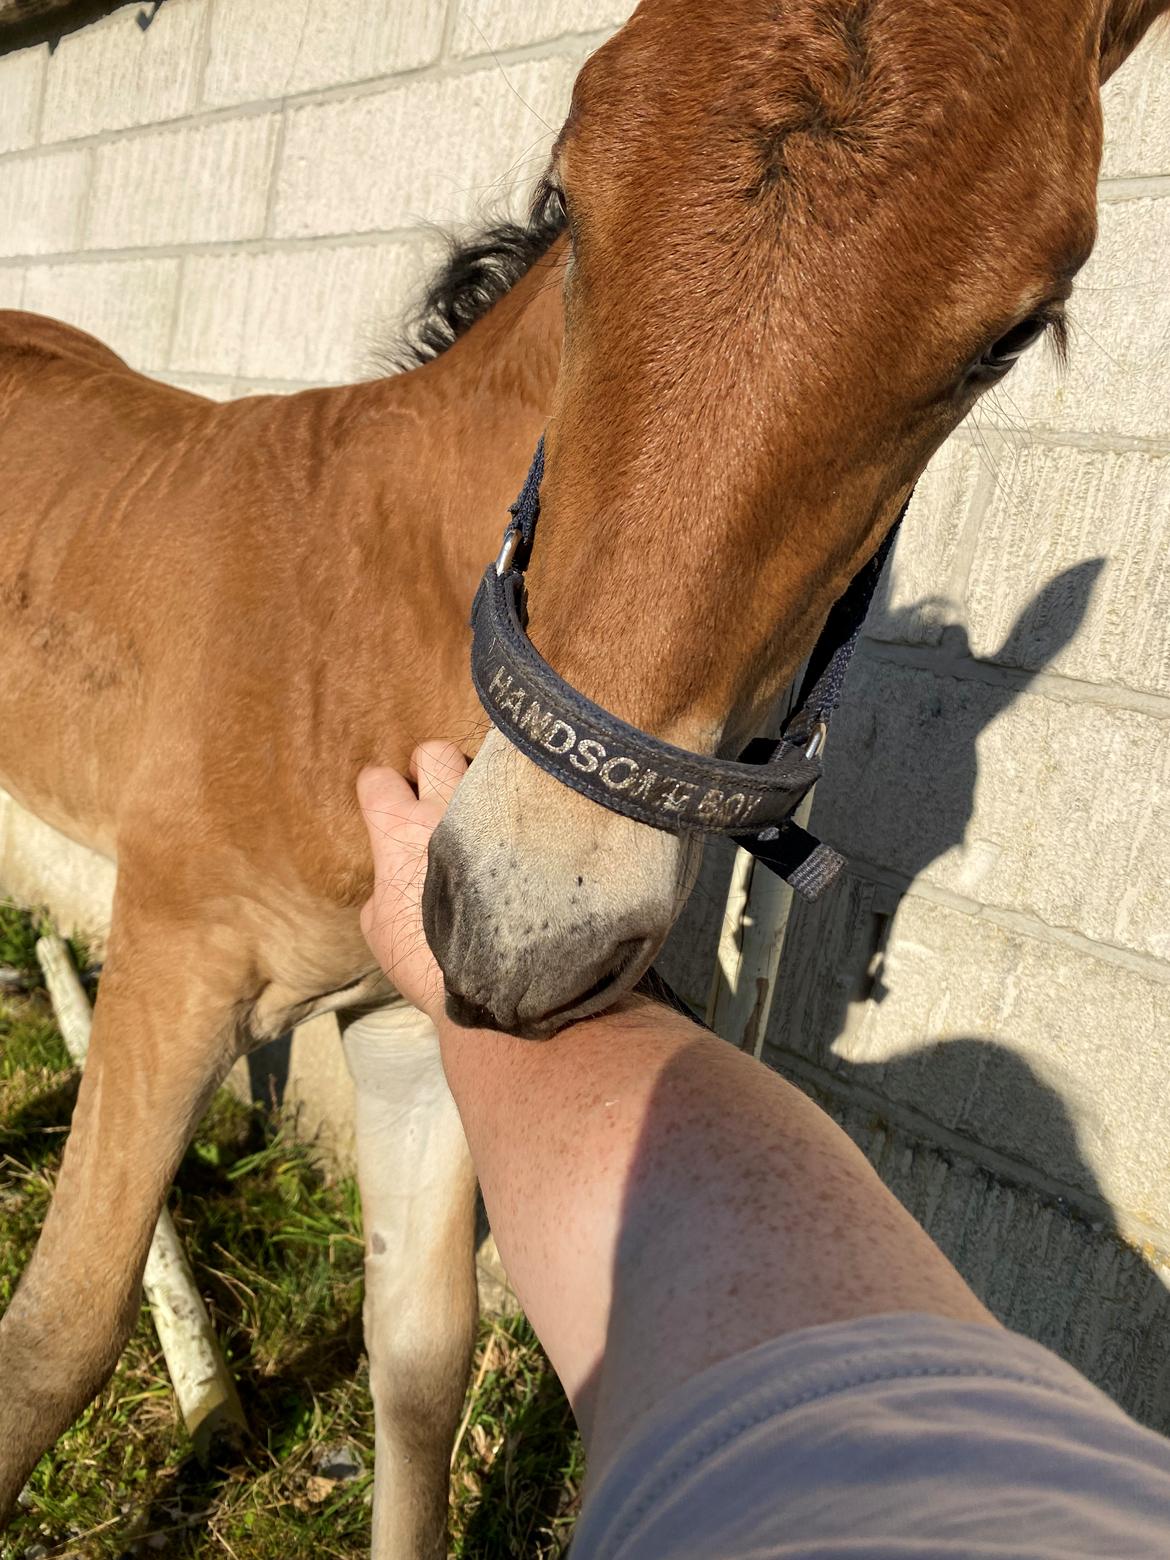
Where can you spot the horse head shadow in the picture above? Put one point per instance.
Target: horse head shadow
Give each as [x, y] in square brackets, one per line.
[988, 1156]
[974, 1137]
[943, 797]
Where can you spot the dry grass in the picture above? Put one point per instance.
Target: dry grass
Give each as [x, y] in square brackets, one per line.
[276, 1248]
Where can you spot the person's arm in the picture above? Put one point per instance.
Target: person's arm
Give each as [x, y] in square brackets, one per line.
[660, 1201]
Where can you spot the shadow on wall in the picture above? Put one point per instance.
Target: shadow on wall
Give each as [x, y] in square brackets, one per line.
[24, 23]
[940, 796]
[1053, 1267]
[1033, 1232]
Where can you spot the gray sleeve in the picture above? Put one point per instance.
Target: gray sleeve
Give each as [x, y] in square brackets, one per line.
[883, 1439]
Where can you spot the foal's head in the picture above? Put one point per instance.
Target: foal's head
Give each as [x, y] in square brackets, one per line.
[805, 236]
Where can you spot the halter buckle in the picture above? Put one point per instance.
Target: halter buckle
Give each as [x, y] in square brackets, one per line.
[508, 550]
[816, 743]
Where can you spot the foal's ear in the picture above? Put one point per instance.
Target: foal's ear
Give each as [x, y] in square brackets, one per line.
[1124, 27]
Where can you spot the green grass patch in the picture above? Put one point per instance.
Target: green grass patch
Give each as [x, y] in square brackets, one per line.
[19, 930]
[277, 1253]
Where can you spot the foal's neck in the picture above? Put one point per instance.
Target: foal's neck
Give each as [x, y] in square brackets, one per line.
[477, 410]
[419, 485]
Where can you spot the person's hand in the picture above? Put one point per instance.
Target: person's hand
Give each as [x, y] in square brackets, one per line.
[401, 819]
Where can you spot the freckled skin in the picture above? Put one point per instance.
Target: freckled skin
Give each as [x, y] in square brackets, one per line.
[663, 1202]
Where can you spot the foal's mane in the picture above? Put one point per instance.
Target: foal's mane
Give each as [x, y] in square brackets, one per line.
[476, 274]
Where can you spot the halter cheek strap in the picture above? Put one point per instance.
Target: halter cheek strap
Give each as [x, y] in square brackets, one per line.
[630, 772]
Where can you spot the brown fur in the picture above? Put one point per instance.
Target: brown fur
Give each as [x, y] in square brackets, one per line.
[793, 227]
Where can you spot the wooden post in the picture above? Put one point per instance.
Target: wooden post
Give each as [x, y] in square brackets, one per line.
[750, 944]
[203, 1384]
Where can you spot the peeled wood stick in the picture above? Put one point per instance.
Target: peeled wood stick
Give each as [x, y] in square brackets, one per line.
[203, 1383]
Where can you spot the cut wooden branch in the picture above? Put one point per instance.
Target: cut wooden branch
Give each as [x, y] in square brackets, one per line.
[203, 1384]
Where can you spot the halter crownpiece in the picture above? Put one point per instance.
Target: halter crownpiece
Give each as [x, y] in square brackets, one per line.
[625, 769]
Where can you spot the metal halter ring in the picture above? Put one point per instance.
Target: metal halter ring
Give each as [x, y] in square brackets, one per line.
[816, 742]
[508, 550]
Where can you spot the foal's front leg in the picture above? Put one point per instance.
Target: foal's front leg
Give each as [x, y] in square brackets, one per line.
[164, 1034]
[418, 1207]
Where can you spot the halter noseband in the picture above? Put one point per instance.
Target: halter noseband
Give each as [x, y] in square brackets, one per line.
[632, 773]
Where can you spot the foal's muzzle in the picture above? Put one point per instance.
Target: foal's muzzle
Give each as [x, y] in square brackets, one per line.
[508, 964]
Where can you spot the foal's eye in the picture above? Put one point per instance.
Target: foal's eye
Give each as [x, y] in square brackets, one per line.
[1011, 346]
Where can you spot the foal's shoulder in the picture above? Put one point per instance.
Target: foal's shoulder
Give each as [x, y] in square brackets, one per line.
[36, 336]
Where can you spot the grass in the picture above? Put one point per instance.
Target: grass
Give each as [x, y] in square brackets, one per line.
[276, 1248]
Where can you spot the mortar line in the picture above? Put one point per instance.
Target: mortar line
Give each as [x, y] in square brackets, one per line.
[220, 246]
[176, 298]
[1070, 438]
[917, 1124]
[1053, 685]
[560, 47]
[274, 169]
[200, 83]
[1020, 924]
[39, 118]
[450, 17]
[1146, 186]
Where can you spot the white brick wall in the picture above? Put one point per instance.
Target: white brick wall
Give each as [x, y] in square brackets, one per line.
[243, 196]
[195, 192]
[1117, 382]
[23, 77]
[95, 82]
[129, 302]
[274, 48]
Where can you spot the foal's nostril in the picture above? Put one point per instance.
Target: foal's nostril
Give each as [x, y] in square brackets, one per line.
[438, 905]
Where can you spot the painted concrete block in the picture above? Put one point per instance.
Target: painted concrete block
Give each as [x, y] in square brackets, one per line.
[212, 308]
[11, 287]
[201, 384]
[309, 315]
[22, 80]
[1020, 1047]
[441, 150]
[1136, 102]
[920, 595]
[42, 199]
[1074, 1285]
[114, 74]
[1053, 512]
[1060, 811]
[246, 387]
[195, 184]
[128, 304]
[41, 869]
[484, 25]
[1118, 376]
[272, 48]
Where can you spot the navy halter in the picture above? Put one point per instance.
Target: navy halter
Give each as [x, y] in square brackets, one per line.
[632, 773]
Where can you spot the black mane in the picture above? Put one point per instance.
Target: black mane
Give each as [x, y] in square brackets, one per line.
[475, 276]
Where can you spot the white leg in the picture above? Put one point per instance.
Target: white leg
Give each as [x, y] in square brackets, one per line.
[418, 1206]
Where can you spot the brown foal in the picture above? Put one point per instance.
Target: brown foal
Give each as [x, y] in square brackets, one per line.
[799, 239]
